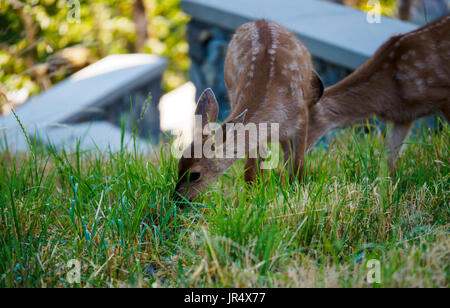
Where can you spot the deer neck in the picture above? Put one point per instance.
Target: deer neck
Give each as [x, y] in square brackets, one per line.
[349, 101]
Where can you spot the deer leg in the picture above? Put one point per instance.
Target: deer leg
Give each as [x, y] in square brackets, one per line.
[300, 154]
[398, 135]
[288, 153]
[251, 168]
[446, 112]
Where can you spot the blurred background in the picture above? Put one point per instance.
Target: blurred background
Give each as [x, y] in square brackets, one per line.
[43, 42]
[35, 36]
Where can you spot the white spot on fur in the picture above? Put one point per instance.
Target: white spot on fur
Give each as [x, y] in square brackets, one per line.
[282, 91]
[294, 66]
[274, 34]
[419, 65]
[298, 50]
[420, 85]
[293, 88]
[254, 36]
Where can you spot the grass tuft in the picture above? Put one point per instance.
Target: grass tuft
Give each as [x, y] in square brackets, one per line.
[113, 213]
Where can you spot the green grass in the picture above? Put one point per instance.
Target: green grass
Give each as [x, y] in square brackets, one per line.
[113, 213]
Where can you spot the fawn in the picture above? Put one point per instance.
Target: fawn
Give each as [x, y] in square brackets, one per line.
[270, 79]
[407, 78]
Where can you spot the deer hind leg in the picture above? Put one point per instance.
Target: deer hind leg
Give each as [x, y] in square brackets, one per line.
[398, 135]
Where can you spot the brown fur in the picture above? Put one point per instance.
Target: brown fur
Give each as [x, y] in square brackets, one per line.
[270, 79]
[407, 78]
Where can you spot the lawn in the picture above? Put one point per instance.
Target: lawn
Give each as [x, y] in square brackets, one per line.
[112, 213]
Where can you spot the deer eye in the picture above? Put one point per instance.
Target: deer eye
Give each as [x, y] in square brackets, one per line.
[194, 176]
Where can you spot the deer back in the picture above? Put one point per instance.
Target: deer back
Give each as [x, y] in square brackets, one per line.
[269, 72]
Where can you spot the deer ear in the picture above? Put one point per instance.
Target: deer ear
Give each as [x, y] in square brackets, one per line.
[240, 118]
[207, 107]
[317, 88]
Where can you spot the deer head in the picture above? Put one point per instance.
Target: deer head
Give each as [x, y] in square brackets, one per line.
[198, 169]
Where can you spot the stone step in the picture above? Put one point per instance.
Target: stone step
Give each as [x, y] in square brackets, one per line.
[101, 91]
[100, 135]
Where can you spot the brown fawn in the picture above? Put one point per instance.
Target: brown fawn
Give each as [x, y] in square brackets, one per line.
[407, 78]
[270, 79]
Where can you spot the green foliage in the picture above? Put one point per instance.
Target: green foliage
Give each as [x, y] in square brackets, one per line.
[388, 7]
[105, 27]
[169, 27]
[114, 213]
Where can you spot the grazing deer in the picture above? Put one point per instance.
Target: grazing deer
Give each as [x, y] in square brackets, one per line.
[270, 79]
[407, 78]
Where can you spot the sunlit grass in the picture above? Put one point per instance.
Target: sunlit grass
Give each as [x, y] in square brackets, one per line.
[113, 213]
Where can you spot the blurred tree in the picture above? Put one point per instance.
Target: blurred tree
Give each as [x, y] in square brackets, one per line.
[404, 9]
[387, 6]
[37, 38]
[141, 23]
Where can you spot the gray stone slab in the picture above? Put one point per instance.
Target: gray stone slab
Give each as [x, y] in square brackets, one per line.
[13, 139]
[96, 135]
[101, 135]
[88, 90]
[332, 32]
